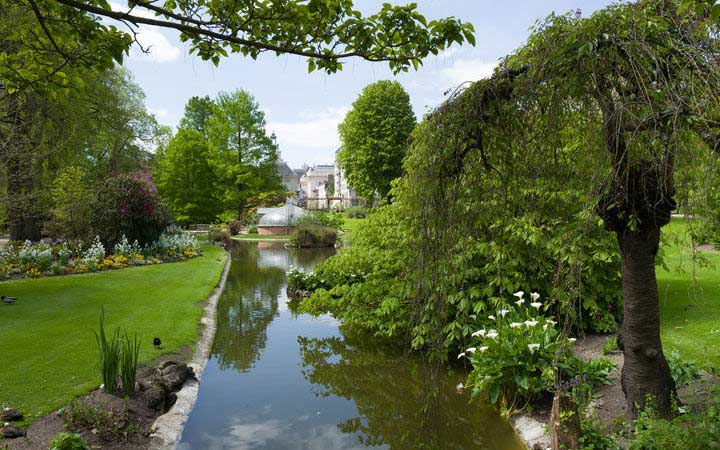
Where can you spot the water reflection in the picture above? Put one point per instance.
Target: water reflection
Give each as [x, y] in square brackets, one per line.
[402, 402]
[277, 380]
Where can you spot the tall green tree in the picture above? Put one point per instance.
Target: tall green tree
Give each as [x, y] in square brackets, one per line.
[243, 155]
[374, 138]
[198, 111]
[186, 180]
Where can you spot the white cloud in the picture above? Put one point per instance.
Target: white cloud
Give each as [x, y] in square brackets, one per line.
[159, 48]
[160, 113]
[468, 70]
[313, 138]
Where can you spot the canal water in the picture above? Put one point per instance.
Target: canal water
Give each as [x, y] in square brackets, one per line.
[277, 380]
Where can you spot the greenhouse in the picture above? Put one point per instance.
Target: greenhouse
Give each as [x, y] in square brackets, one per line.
[282, 220]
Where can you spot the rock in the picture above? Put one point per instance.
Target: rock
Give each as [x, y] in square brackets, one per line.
[175, 375]
[169, 378]
[10, 415]
[11, 431]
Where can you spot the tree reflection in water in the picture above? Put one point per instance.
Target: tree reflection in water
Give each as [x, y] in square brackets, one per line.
[250, 300]
[402, 402]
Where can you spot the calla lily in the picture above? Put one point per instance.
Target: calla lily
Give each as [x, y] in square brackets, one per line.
[533, 347]
[520, 302]
[519, 294]
[531, 323]
[534, 296]
[479, 333]
[482, 349]
[502, 312]
[515, 325]
[492, 334]
[471, 350]
[460, 355]
[572, 339]
[536, 305]
[491, 317]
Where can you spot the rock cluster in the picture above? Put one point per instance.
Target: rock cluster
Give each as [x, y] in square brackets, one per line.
[160, 388]
[8, 430]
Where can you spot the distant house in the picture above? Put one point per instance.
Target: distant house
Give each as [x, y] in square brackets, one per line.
[318, 184]
[282, 220]
[326, 187]
[290, 178]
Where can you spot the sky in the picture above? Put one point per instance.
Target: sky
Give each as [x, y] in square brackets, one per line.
[304, 109]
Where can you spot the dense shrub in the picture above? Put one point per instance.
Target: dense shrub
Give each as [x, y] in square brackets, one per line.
[356, 212]
[129, 205]
[329, 220]
[72, 199]
[234, 227]
[683, 372]
[309, 236]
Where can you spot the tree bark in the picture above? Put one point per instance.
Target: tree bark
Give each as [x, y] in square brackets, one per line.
[646, 378]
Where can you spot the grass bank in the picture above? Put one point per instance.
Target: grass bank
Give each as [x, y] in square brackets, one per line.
[49, 354]
[689, 297]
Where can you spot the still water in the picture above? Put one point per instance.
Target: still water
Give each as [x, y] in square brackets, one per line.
[281, 381]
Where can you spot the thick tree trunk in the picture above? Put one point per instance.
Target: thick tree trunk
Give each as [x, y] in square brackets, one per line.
[646, 378]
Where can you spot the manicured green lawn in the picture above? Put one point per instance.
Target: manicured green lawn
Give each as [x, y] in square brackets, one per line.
[49, 354]
[689, 310]
[268, 237]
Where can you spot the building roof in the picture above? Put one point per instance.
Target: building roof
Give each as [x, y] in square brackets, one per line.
[284, 216]
[284, 170]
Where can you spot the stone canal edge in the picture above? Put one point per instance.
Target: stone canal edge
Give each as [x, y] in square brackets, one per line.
[168, 428]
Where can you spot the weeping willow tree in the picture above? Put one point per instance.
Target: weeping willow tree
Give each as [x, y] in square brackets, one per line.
[588, 120]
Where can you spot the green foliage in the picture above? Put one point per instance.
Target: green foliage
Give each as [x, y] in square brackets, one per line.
[356, 212]
[323, 31]
[311, 236]
[198, 111]
[72, 198]
[109, 355]
[513, 355]
[693, 431]
[129, 353]
[325, 219]
[374, 138]
[594, 438]
[186, 180]
[610, 345]
[683, 372]
[68, 441]
[129, 206]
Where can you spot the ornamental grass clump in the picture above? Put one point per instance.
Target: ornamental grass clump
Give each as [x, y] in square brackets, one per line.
[514, 355]
[118, 358]
[129, 352]
[109, 355]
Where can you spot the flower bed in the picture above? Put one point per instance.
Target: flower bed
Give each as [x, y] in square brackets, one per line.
[27, 259]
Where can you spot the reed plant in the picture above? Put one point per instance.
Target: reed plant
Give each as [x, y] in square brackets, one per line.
[129, 352]
[109, 355]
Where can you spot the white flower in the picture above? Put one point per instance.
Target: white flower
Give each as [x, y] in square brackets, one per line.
[551, 322]
[533, 347]
[460, 355]
[520, 302]
[531, 323]
[473, 316]
[545, 326]
[6, 424]
[471, 350]
[491, 317]
[515, 325]
[479, 333]
[536, 305]
[519, 294]
[482, 349]
[502, 312]
[572, 339]
[492, 334]
[534, 296]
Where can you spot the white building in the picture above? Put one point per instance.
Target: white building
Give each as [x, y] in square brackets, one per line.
[345, 196]
[318, 184]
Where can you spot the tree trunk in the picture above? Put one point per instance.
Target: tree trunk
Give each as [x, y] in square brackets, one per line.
[646, 378]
